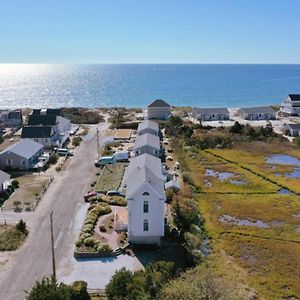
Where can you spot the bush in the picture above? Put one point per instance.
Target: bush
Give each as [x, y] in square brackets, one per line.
[90, 241]
[76, 141]
[102, 228]
[21, 226]
[15, 184]
[53, 159]
[104, 249]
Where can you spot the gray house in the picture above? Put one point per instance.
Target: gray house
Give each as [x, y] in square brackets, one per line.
[21, 156]
[148, 126]
[292, 129]
[11, 118]
[258, 113]
[158, 109]
[210, 114]
[5, 181]
[147, 143]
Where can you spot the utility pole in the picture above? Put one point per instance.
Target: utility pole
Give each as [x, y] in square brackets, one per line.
[98, 146]
[52, 246]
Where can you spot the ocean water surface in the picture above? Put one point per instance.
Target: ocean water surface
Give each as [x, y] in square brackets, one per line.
[36, 86]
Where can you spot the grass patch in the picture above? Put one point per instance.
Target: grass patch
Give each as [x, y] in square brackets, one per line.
[110, 178]
[11, 238]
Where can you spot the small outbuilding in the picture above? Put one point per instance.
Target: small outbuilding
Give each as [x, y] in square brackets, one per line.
[257, 113]
[172, 185]
[292, 129]
[5, 181]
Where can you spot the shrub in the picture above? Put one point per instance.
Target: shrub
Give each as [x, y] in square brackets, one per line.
[15, 184]
[21, 226]
[53, 159]
[102, 228]
[104, 249]
[76, 141]
[90, 241]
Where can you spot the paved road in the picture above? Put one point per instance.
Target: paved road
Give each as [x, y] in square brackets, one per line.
[64, 197]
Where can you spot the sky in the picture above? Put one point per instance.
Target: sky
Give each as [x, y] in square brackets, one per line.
[150, 31]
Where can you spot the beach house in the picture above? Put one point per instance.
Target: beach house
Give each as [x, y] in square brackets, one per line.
[147, 143]
[210, 114]
[23, 155]
[146, 205]
[158, 109]
[148, 126]
[257, 113]
[44, 135]
[11, 118]
[291, 105]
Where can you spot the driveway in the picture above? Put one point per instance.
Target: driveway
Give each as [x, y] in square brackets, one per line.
[65, 198]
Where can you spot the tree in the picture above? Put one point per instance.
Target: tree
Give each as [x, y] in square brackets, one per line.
[21, 226]
[15, 184]
[50, 289]
[237, 128]
[119, 285]
[296, 141]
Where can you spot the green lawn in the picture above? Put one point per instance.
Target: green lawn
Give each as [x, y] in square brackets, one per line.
[110, 178]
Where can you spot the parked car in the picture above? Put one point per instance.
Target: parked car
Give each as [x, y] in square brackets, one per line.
[89, 195]
[114, 193]
[169, 158]
[64, 152]
[105, 160]
[121, 156]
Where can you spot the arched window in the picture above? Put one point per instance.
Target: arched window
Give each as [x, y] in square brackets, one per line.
[146, 225]
[146, 206]
[146, 194]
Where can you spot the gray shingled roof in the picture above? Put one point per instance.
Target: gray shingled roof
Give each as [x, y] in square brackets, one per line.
[148, 124]
[42, 120]
[294, 126]
[36, 132]
[294, 97]
[49, 111]
[159, 103]
[147, 139]
[172, 184]
[146, 160]
[139, 177]
[258, 110]
[217, 110]
[4, 177]
[25, 148]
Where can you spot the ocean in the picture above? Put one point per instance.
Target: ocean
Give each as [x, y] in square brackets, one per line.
[135, 85]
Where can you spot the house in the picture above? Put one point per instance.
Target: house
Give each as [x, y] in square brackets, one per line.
[5, 181]
[148, 126]
[11, 118]
[257, 113]
[292, 129]
[291, 105]
[23, 155]
[158, 109]
[172, 185]
[147, 143]
[146, 206]
[44, 135]
[61, 127]
[47, 111]
[146, 160]
[210, 114]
